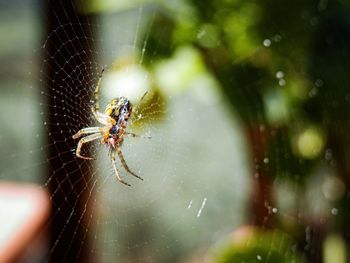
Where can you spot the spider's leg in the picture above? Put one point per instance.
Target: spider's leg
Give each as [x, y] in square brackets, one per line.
[138, 104]
[100, 117]
[88, 131]
[103, 118]
[119, 151]
[130, 134]
[116, 171]
[97, 91]
[85, 140]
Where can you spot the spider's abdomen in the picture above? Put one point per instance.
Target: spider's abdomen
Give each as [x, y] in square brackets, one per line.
[114, 131]
[119, 108]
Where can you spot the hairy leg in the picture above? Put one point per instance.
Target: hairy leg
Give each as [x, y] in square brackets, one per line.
[139, 103]
[88, 131]
[121, 157]
[97, 91]
[84, 140]
[130, 134]
[116, 171]
[103, 118]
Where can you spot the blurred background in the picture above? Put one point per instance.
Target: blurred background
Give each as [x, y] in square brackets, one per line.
[248, 113]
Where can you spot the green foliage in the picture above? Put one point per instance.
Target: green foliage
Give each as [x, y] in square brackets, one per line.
[258, 246]
[283, 66]
[274, 65]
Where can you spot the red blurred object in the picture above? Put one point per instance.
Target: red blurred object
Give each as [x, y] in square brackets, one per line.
[24, 209]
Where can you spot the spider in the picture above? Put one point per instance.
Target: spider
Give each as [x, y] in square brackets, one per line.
[114, 119]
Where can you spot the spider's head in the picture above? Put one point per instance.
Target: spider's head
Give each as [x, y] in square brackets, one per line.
[112, 142]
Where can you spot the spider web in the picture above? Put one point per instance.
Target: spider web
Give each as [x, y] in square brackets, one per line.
[173, 213]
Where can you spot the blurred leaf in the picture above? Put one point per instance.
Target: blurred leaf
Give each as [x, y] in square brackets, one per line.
[259, 246]
[177, 72]
[151, 109]
[104, 6]
[334, 249]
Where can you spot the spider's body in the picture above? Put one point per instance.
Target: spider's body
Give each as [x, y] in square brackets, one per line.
[114, 119]
[120, 110]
